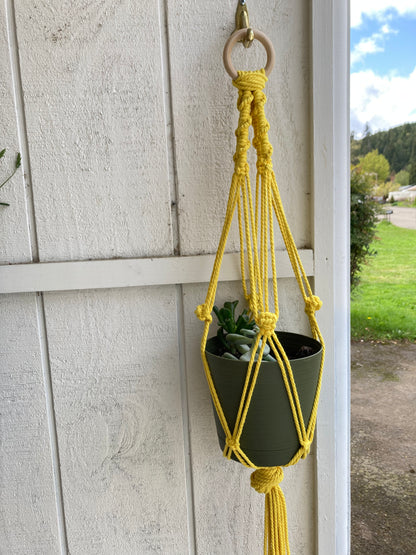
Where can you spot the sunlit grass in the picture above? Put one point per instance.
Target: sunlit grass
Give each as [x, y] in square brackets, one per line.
[384, 304]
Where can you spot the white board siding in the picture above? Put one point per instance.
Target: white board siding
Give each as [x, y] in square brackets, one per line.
[14, 243]
[205, 114]
[229, 514]
[27, 503]
[115, 375]
[92, 83]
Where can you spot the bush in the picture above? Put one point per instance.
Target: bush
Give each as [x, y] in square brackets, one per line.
[364, 213]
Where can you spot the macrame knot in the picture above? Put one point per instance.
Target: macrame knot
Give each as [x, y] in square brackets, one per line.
[312, 304]
[203, 314]
[266, 321]
[264, 166]
[263, 480]
[232, 443]
[250, 80]
[306, 447]
[241, 167]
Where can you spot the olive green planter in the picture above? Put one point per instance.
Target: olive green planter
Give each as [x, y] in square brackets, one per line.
[269, 436]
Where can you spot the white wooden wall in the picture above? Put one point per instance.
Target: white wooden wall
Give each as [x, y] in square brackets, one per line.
[125, 120]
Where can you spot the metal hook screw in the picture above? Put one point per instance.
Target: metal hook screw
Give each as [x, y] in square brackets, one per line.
[242, 22]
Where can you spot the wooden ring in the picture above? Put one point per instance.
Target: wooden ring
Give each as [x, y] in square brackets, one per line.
[240, 34]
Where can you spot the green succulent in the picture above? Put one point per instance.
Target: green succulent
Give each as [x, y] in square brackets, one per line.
[237, 335]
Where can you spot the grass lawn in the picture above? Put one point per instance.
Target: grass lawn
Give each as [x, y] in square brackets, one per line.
[383, 306]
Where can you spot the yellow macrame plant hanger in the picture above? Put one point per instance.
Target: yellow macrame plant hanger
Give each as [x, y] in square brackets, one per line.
[255, 213]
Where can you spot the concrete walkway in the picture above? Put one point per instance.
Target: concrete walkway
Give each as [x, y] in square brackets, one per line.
[402, 217]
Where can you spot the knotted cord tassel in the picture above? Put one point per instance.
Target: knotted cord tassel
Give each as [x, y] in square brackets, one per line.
[267, 480]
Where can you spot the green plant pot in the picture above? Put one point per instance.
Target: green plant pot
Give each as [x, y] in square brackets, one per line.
[269, 436]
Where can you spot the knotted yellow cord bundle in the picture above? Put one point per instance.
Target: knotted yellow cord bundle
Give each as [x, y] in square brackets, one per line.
[255, 222]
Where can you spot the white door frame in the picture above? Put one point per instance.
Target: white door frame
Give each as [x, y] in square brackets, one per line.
[330, 45]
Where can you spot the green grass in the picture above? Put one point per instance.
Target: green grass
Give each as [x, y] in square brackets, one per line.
[383, 307]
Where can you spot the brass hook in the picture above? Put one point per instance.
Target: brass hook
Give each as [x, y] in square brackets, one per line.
[242, 22]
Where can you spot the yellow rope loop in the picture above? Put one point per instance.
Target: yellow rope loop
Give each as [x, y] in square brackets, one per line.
[203, 313]
[312, 304]
[250, 80]
[266, 321]
[264, 479]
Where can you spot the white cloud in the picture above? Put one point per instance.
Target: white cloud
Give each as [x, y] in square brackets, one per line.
[381, 101]
[371, 45]
[380, 9]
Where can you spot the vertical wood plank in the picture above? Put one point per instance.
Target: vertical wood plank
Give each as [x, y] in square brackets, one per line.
[91, 74]
[115, 375]
[229, 514]
[14, 243]
[205, 114]
[27, 506]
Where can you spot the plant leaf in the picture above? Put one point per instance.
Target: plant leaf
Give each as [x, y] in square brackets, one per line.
[229, 356]
[231, 307]
[221, 337]
[18, 161]
[2, 153]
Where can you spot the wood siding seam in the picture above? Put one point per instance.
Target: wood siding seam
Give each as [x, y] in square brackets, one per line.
[21, 127]
[169, 124]
[50, 414]
[34, 248]
[190, 497]
[175, 227]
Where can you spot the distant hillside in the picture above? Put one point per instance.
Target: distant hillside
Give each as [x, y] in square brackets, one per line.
[397, 144]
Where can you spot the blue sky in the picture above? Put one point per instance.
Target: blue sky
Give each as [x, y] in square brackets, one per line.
[383, 64]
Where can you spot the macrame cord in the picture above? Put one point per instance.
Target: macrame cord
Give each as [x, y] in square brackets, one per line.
[255, 223]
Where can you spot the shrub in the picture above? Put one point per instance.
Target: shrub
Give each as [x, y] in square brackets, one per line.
[363, 223]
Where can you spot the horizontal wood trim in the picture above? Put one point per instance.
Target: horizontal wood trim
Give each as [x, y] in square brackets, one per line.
[131, 272]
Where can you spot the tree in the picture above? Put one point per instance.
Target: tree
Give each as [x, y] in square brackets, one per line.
[402, 178]
[412, 173]
[376, 165]
[363, 222]
[398, 145]
[384, 189]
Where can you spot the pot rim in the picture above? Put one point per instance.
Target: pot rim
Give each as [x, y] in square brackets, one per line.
[317, 345]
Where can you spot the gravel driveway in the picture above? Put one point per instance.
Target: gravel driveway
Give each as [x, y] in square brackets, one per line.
[403, 217]
[383, 448]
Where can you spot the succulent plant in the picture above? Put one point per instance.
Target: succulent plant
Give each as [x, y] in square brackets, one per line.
[237, 335]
